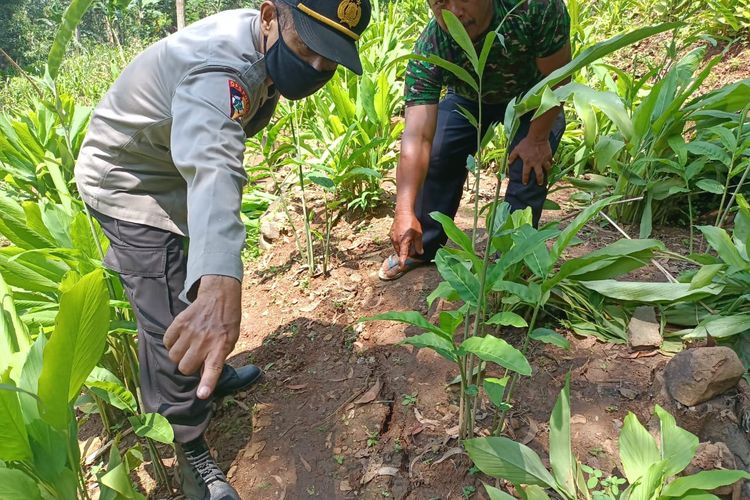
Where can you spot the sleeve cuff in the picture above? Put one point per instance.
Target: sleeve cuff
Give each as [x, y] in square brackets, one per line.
[218, 264]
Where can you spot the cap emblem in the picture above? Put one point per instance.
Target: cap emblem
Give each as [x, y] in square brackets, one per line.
[350, 12]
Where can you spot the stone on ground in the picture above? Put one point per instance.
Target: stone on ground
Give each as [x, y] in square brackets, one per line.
[697, 375]
[643, 329]
[713, 456]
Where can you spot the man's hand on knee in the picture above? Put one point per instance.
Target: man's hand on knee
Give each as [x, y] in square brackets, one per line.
[204, 334]
[536, 156]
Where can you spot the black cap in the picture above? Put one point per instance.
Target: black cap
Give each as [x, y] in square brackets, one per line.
[331, 28]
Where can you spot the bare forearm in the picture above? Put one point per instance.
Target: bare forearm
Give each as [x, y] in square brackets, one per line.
[411, 173]
[541, 126]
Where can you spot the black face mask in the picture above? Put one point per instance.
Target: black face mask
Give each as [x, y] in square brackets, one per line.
[294, 77]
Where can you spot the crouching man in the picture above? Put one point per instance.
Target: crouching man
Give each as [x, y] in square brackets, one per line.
[163, 162]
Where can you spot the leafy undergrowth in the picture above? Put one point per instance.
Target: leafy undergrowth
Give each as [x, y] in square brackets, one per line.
[344, 409]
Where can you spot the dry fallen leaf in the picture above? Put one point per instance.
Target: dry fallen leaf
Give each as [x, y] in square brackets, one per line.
[387, 471]
[255, 449]
[350, 375]
[451, 452]
[345, 486]
[371, 393]
[310, 307]
[533, 431]
[628, 393]
[578, 419]
[283, 488]
[305, 463]
[424, 421]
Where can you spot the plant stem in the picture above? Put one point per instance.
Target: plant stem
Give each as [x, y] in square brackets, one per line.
[690, 216]
[524, 349]
[734, 195]
[308, 236]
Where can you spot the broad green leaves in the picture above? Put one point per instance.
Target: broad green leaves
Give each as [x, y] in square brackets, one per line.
[705, 480]
[504, 458]
[13, 436]
[560, 447]
[154, 426]
[638, 449]
[72, 16]
[16, 485]
[75, 346]
[490, 348]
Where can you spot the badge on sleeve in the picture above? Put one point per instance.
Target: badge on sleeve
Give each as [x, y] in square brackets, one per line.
[239, 104]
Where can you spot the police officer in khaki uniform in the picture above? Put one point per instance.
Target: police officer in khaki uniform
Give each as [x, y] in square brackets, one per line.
[163, 162]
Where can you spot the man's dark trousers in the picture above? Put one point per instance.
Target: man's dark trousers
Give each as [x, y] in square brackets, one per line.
[152, 264]
[455, 139]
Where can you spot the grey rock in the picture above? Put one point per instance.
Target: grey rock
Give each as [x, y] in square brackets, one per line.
[697, 375]
[270, 229]
[713, 456]
[643, 329]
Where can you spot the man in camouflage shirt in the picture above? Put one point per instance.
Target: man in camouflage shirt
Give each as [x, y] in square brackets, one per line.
[533, 41]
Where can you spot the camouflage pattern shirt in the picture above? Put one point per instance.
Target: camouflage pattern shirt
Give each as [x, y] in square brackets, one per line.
[538, 28]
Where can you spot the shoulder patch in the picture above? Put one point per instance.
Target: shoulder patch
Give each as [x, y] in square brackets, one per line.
[239, 103]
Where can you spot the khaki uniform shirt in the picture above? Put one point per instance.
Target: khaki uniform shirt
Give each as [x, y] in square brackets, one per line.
[165, 146]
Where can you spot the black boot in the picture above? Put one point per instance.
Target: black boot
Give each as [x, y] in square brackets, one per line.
[200, 476]
[234, 380]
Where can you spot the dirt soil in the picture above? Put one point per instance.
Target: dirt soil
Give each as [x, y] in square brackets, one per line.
[345, 411]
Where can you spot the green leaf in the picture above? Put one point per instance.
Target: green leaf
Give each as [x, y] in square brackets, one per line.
[459, 276]
[504, 458]
[638, 449]
[709, 150]
[13, 435]
[410, 318]
[710, 186]
[531, 99]
[29, 380]
[491, 348]
[496, 494]
[109, 388]
[154, 426]
[677, 446]
[550, 337]
[647, 218]
[633, 291]
[507, 318]
[529, 294]
[50, 449]
[14, 227]
[648, 485]
[16, 485]
[450, 320]
[437, 343]
[560, 450]
[489, 39]
[455, 69]
[534, 492]
[576, 225]
[549, 100]
[453, 232]
[71, 18]
[721, 327]
[461, 36]
[705, 275]
[495, 389]
[705, 480]
[75, 346]
[444, 290]
[722, 243]
[115, 483]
